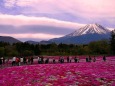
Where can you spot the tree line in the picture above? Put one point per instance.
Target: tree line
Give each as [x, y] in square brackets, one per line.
[103, 47]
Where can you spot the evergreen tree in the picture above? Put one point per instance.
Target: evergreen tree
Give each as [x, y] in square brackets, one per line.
[112, 41]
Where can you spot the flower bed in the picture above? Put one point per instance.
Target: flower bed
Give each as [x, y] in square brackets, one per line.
[68, 74]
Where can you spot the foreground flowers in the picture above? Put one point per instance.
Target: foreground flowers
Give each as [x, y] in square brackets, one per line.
[67, 74]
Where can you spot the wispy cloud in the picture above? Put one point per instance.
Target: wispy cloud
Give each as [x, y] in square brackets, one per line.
[38, 36]
[9, 3]
[20, 20]
[82, 11]
[88, 8]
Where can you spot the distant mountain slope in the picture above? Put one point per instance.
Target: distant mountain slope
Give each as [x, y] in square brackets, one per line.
[8, 39]
[32, 42]
[84, 35]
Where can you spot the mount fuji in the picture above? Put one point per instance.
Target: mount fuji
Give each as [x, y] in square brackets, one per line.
[85, 35]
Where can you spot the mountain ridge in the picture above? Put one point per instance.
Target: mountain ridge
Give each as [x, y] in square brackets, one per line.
[84, 35]
[9, 39]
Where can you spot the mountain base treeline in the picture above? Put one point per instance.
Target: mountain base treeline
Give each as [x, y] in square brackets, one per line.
[26, 49]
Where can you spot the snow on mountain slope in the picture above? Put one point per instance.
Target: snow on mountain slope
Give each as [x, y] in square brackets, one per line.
[90, 29]
[111, 29]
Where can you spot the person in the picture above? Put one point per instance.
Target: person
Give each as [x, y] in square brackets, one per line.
[31, 59]
[42, 60]
[62, 59]
[68, 59]
[28, 60]
[21, 60]
[24, 60]
[78, 59]
[59, 60]
[104, 58]
[7, 61]
[54, 60]
[13, 61]
[38, 59]
[90, 59]
[17, 61]
[1, 62]
[75, 59]
[47, 60]
[87, 59]
[94, 59]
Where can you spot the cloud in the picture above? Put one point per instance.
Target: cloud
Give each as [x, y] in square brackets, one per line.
[19, 20]
[81, 11]
[32, 36]
[35, 29]
[83, 8]
[9, 3]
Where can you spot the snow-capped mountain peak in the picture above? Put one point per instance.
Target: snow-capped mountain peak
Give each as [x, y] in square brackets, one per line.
[90, 29]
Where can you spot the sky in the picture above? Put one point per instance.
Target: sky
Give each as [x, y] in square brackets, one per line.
[46, 19]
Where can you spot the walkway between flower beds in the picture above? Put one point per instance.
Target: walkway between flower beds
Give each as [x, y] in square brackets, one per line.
[99, 59]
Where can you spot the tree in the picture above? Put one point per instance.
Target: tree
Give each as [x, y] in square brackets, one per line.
[112, 41]
[11, 51]
[99, 47]
[27, 53]
[2, 51]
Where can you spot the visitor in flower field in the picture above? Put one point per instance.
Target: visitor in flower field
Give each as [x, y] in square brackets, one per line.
[61, 60]
[104, 58]
[47, 60]
[75, 59]
[7, 61]
[17, 61]
[31, 59]
[94, 59]
[53, 60]
[24, 60]
[13, 61]
[0, 62]
[40, 60]
[78, 59]
[87, 60]
[68, 59]
[3, 60]
[21, 60]
[90, 59]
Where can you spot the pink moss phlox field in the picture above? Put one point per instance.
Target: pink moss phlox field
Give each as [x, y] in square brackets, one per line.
[67, 74]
